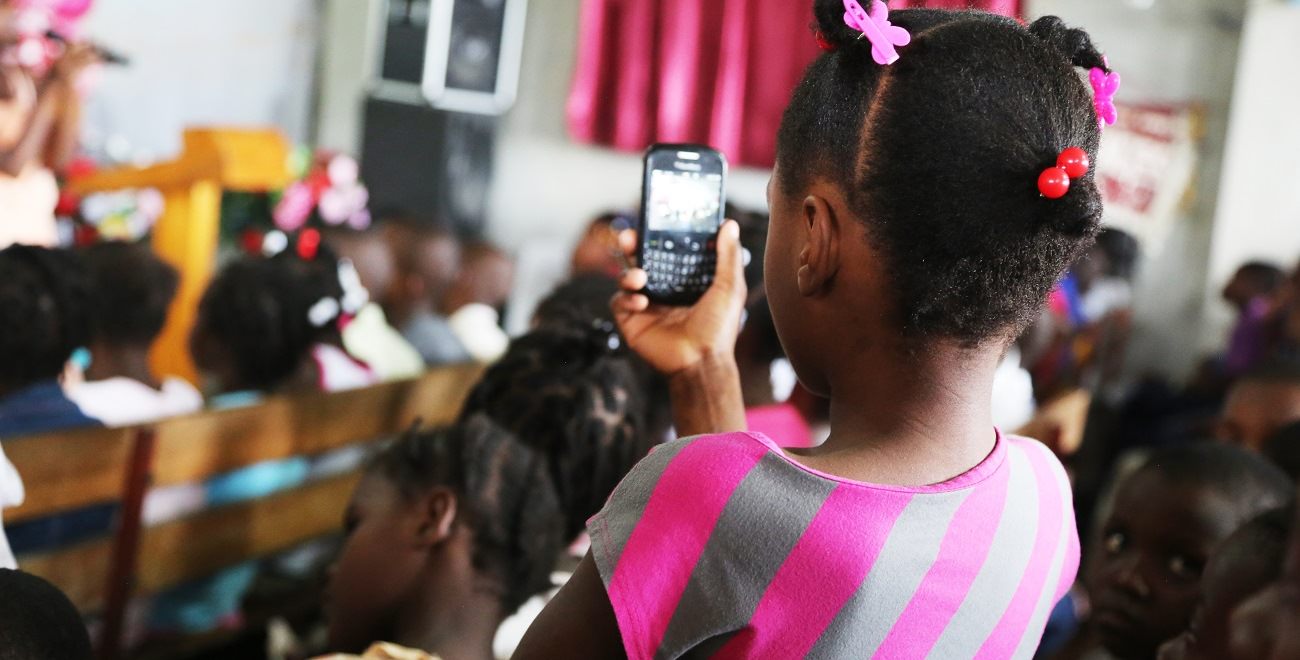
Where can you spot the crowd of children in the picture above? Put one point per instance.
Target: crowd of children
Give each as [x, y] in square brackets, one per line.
[929, 271]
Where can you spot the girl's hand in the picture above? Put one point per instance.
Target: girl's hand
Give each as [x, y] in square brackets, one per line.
[680, 339]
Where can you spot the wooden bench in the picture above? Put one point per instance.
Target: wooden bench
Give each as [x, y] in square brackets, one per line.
[70, 470]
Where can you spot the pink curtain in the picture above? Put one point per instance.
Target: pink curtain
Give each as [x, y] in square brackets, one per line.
[719, 72]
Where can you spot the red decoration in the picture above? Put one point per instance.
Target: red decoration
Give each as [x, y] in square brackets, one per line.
[67, 205]
[79, 167]
[1054, 182]
[308, 244]
[1074, 161]
[251, 241]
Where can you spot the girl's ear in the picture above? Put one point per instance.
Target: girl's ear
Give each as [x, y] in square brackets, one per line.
[819, 260]
[436, 514]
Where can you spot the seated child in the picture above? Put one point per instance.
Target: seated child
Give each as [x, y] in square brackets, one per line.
[44, 297]
[1167, 519]
[366, 333]
[597, 252]
[572, 390]
[427, 262]
[132, 290]
[1250, 292]
[448, 533]
[475, 303]
[38, 622]
[1264, 625]
[265, 326]
[1260, 403]
[581, 306]
[910, 242]
[1245, 563]
[562, 402]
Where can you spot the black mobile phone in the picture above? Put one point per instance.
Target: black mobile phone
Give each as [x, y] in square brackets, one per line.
[682, 204]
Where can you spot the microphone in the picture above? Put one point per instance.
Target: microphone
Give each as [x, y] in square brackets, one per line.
[106, 55]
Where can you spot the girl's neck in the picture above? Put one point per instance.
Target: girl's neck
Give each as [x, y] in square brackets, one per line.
[454, 621]
[121, 362]
[910, 422]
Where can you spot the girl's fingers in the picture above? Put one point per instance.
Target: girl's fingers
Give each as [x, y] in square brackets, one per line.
[633, 280]
[629, 303]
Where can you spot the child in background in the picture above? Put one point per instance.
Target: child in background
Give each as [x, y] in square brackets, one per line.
[581, 305]
[44, 299]
[367, 333]
[597, 252]
[1166, 521]
[265, 326]
[132, 291]
[572, 390]
[1244, 564]
[909, 245]
[1260, 403]
[475, 303]
[38, 622]
[1251, 293]
[448, 533]
[428, 259]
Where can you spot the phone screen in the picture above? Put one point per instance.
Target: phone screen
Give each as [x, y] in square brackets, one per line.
[684, 201]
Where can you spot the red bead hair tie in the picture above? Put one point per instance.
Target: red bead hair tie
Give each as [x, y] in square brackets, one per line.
[1054, 182]
[824, 43]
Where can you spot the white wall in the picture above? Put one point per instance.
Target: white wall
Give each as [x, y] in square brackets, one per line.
[1178, 52]
[196, 62]
[1258, 215]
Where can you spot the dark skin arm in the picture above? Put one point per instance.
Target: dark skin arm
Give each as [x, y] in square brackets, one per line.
[695, 347]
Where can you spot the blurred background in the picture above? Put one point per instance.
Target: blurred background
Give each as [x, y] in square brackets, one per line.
[1204, 176]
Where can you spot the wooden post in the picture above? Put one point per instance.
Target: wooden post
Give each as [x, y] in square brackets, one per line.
[126, 545]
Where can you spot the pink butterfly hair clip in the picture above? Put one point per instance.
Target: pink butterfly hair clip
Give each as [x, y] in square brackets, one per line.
[1104, 86]
[875, 26]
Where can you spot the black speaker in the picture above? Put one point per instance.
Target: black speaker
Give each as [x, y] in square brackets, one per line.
[460, 55]
[428, 163]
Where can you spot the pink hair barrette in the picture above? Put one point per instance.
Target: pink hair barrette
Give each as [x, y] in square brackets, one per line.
[1104, 86]
[875, 26]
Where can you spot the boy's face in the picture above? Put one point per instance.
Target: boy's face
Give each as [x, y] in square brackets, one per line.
[1144, 581]
[1233, 575]
[1256, 410]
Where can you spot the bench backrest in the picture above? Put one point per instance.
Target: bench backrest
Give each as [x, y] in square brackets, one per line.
[69, 470]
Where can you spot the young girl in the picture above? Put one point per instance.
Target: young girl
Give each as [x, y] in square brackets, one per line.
[543, 439]
[910, 242]
[448, 533]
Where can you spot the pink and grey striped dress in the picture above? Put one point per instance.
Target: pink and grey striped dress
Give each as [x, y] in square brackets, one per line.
[721, 546]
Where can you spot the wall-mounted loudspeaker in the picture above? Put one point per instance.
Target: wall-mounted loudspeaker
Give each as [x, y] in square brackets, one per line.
[446, 68]
[459, 55]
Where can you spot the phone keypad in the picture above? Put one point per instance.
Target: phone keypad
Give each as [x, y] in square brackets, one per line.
[678, 272]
